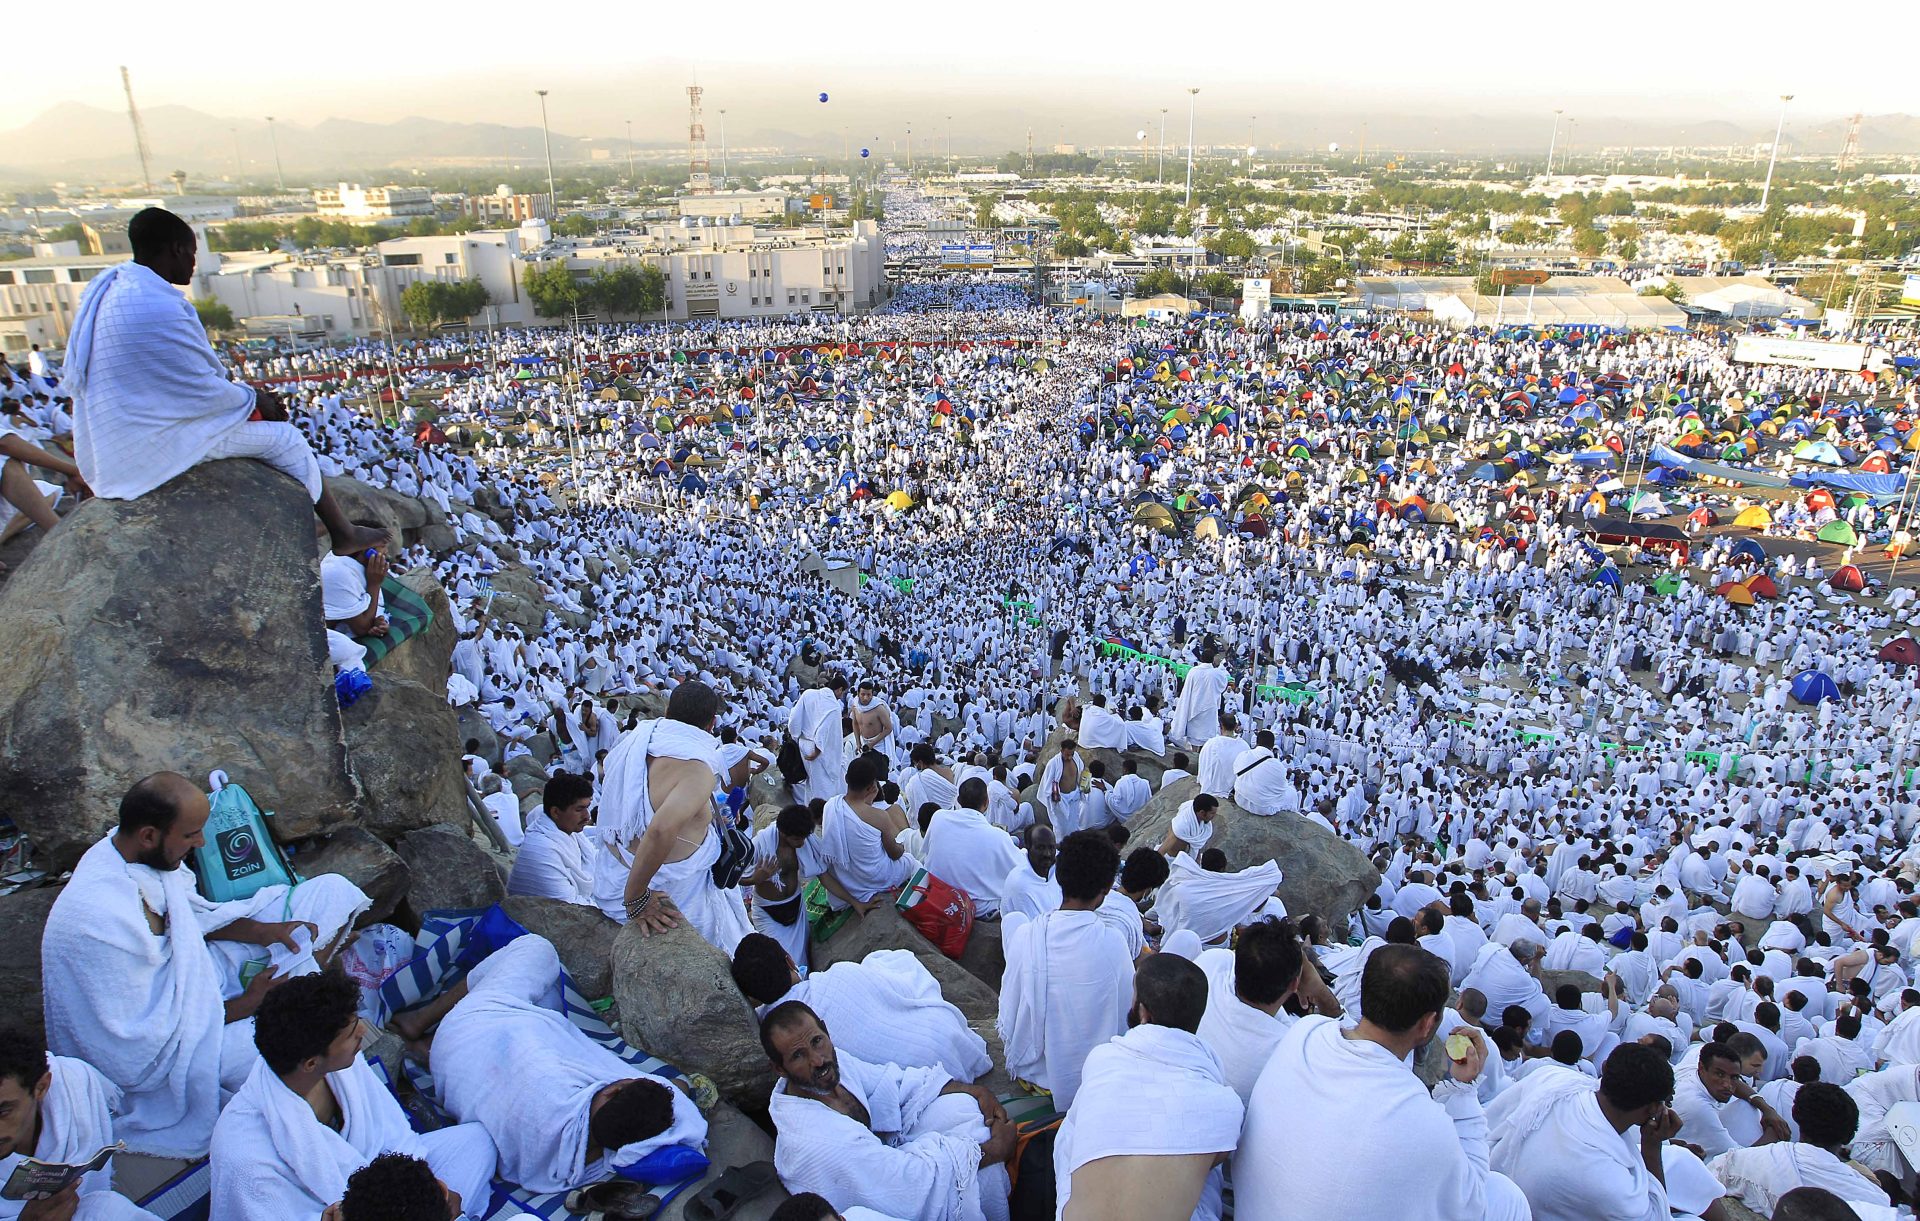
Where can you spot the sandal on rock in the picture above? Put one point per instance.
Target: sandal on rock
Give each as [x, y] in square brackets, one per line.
[719, 1199]
[614, 1200]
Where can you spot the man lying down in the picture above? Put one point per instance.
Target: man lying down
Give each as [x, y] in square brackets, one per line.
[564, 1111]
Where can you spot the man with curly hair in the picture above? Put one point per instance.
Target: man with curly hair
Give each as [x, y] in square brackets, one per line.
[313, 1112]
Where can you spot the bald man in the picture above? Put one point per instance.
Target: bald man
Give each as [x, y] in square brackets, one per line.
[155, 986]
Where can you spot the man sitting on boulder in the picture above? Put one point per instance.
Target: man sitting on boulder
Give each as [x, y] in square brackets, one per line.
[151, 400]
[155, 986]
[563, 1110]
[658, 840]
[350, 582]
[887, 1006]
[860, 837]
[313, 1112]
[1030, 889]
[555, 860]
[966, 850]
[943, 1153]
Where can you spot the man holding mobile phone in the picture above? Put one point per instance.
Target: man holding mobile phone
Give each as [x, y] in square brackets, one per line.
[350, 582]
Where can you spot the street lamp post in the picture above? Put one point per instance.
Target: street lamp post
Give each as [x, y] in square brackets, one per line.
[1191, 94]
[553, 196]
[1553, 140]
[630, 150]
[273, 137]
[723, 148]
[949, 137]
[1161, 173]
[1773, 154]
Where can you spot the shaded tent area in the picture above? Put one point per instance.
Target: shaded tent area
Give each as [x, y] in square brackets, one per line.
[1654, 536]
[1812, 686]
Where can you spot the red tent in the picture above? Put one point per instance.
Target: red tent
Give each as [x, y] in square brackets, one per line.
[1877, 463]
[1902, 651]
[1847, 577]
[1819, 499]
[428, 434]
[1760, 585]
[1702, 517]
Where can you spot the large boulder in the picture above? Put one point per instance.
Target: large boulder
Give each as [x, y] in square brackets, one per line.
[519, 599]
[404, 517]
[427, 658]
[1321, 873]
[405, 748]
[677, 1001]
[23, 915]
[985, 958]
[356, 855]
[450, 871]
[178, 632]
[471, 726]
[581, 933]
[885, 929]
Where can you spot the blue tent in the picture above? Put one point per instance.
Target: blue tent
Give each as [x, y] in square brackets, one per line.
[1751, 549]
[1812, 686]
[691, 482]
[1608, 576]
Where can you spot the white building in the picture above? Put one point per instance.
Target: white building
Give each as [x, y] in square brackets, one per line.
[743, 205]
[351, 201]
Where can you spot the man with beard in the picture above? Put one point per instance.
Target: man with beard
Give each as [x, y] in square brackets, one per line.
[905, 1142]
[154, 985]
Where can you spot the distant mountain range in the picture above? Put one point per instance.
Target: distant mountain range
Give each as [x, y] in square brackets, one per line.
[86, 142]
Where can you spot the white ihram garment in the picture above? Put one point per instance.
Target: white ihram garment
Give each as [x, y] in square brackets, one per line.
[1067, 989]
[887, 1009]
[1212, 904]
[76, 1122]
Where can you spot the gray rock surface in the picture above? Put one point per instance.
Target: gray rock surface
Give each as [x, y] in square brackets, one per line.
[583, 936]
[518, 599]
[677, 1001]
[451, 871]
[355, 854]
[732, 1140]
[177, 632]
[984, 958]
[404, 747]
[23, 914]
[885, 929]
[1321, 872]
[468, 724]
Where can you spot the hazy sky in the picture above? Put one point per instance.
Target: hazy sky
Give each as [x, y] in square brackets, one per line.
[884, 64]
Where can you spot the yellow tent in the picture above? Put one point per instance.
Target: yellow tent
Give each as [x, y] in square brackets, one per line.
[899, 500]
[1358, 549]
[1737, 594]
[1754, 518]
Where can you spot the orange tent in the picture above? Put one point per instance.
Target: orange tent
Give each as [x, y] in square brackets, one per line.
[1819, 499]
[1735, 592]
[1877, 463]
[1760, 585]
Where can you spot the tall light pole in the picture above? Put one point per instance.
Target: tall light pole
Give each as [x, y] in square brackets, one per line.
[1161, 173]
[1774, 153]
[723, 148]
[1553, 139]
[553, 196]
[630, 177]
[1191, 94]
[949, 137]
[273, 137]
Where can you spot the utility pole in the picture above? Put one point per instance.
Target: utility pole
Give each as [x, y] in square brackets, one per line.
[273, 137]
[1160, 174]
[909, 146]
[723, 147]
[949, 137]
[139, 129]
[630, 177]
[1553, 140]
[546, 141]
[1773, 154]
[1191, 94]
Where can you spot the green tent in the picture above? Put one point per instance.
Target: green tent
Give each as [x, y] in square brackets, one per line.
[1838, 532]
[1668, 584]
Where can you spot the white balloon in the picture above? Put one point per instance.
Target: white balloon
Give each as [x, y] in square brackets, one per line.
[1334, 147]
[1139, 135]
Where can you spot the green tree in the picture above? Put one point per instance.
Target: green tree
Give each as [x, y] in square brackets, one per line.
[1231, 244]
[1070, 247]
[553, 290]
[72, 231]
[1219, 284]
[626, 290]
[577, 224]
[1524, 232]
[1588, 241]
[214, 315]
[1671, 291]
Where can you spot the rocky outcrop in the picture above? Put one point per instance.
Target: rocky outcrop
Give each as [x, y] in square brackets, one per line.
[985, 958]
[677, 1001]
[885, 929]
[518, 599]
[403, 741]
[23, 915]
[410, 519]
[450, 871]
[1321, 872]
[356, 855]
[178, 632]
[582, 935]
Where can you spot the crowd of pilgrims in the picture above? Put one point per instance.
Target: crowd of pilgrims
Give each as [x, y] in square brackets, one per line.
[908, 547]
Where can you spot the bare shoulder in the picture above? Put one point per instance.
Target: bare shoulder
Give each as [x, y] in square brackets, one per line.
[678, 782]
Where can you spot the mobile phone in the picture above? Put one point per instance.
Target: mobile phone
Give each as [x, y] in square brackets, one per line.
[371, 552]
